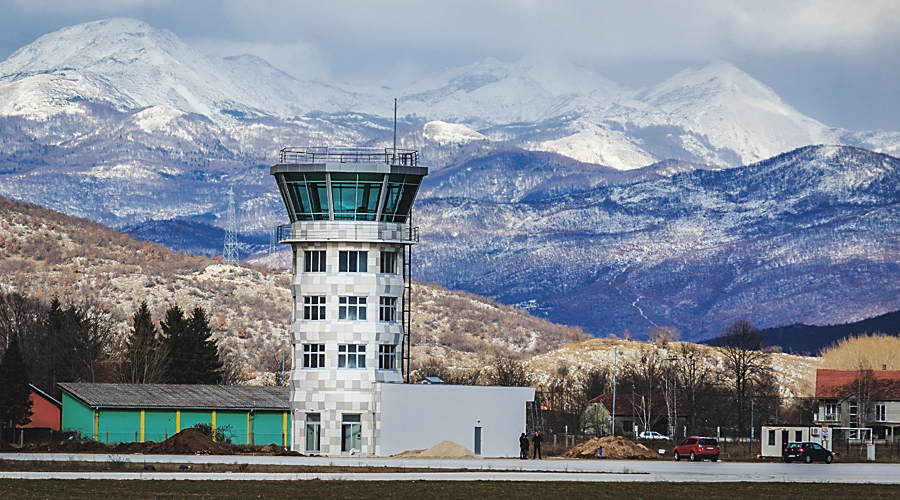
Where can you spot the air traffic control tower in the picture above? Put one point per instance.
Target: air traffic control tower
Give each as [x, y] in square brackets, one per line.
[349, 210]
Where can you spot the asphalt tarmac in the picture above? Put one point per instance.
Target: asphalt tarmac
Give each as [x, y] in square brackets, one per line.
[502, 469]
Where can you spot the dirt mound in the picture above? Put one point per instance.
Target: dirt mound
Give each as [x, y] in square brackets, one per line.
[130, 448]
[444, 449]
[4, 446]
[613, 447]
[190, 442]
[73, 446]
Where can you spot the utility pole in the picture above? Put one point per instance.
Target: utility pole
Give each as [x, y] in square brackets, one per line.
[615, 365]
[752, 407]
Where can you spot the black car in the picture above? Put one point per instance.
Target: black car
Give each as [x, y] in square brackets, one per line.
[808, 452]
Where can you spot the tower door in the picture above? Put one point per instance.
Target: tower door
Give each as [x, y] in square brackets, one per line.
[478, 441]
[351, 433]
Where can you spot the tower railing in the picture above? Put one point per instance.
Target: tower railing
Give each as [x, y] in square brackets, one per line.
[388, 156]
[363, 231]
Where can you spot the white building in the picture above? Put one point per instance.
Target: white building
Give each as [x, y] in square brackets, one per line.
[349, 209]
[775, 437]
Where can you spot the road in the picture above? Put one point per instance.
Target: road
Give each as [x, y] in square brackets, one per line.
[478, 469]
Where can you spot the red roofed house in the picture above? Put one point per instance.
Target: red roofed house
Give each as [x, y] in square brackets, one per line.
[860, 399]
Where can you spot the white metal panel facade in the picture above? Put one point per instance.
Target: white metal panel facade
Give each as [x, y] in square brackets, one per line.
[419, 416]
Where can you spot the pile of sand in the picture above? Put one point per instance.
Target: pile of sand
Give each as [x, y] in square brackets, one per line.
[190, 442]
[444, 449]
[616, 447]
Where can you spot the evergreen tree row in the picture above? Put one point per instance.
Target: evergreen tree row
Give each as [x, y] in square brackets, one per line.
[182, 351]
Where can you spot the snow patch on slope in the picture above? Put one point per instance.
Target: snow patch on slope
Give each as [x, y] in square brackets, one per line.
[595, 144]
[450, 133]
[156, 118]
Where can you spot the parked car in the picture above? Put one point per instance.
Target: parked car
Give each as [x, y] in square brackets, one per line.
[807, 452]
[698, 448]
[653, 435]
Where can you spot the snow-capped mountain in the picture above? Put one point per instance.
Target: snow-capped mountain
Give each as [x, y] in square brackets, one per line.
[549, 185]
[128, 64]
[806, 237]
[711, 114]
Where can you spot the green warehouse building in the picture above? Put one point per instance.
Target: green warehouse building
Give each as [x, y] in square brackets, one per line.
[123, 413]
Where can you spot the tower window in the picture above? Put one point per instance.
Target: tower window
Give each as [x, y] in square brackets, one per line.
[387, 357]
[314, 308]
[388, 262]
[313, 355]
[352, 308]
[387, 309]
[353, 261]
[351, 356]
[314, 261]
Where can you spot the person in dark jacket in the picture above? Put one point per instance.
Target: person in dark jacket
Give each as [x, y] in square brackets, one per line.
[523, 447]
[536, 442]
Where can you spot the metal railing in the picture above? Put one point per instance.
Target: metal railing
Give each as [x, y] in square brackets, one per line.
[388, 156]
[364, 232]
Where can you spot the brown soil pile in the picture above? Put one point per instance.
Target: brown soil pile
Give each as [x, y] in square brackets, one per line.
[616, 447]
[190, 442]
[444, 449]
[187, 442]
[67, 447]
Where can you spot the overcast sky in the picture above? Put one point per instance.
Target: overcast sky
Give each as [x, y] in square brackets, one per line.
[837, 61]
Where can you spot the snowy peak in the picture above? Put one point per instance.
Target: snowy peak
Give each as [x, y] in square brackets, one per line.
[712, 114]
[719, 104]
[705, 83]
[135, 65]
[494, 93]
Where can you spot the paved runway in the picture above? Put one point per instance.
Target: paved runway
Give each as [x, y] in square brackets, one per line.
[479, 469]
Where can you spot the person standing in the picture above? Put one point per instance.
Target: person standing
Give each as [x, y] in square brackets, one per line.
[536, 442]
[523, 447]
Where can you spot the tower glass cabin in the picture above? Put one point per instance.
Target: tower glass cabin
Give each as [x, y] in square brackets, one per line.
[349, 210]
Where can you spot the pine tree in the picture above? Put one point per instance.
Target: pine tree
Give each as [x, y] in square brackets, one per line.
[145, 353]
[15, 391]
[206, 368]
[176, 332]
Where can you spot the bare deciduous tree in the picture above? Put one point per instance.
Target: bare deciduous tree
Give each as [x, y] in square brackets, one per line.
[746, 365]
[509, 372]
[644, 374]
[697, 379]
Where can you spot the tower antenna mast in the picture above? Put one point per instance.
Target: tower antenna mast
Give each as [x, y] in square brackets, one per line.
[394, 156]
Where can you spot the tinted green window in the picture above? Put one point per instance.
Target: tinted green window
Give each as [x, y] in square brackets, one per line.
[355, 195]
[398, 200]
[308, 195]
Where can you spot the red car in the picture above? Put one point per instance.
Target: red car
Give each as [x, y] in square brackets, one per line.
[698, 448]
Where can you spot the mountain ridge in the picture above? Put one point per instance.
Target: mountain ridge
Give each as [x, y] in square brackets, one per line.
[531, 104]
[629, 213]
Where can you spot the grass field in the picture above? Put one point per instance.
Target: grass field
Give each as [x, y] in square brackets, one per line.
[401, 490]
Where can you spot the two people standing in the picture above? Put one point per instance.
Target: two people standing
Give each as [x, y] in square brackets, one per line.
[536, 441]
